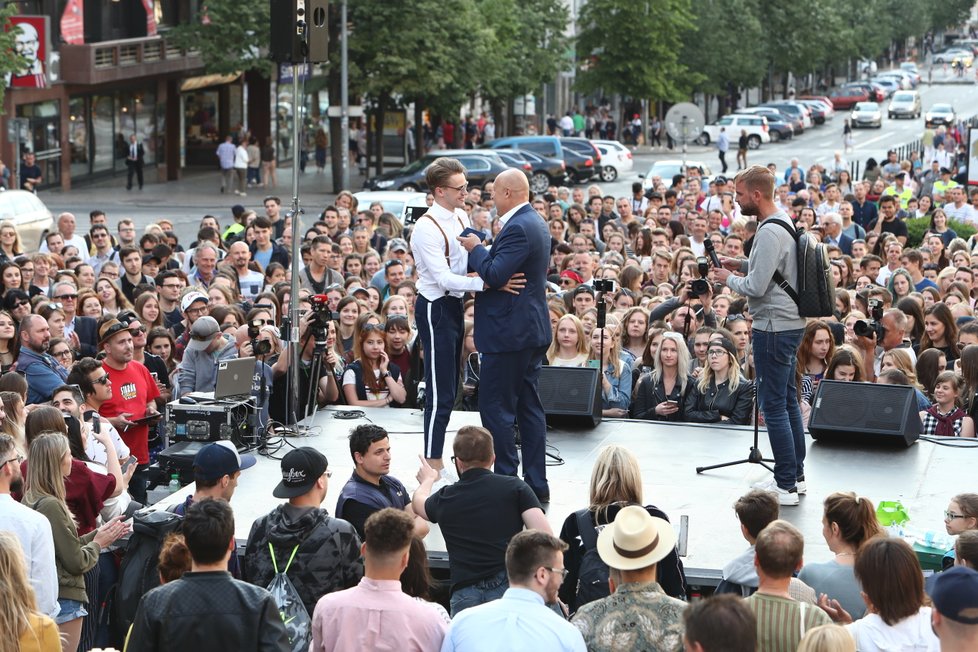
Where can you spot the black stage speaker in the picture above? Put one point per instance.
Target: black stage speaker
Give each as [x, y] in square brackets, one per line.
[299, 31]
[571, 395]
[865, 413]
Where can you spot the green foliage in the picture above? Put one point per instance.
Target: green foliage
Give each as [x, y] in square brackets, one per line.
[731, 55]
[632, 48]
[10, 61]
[918, 225]
[235, 38]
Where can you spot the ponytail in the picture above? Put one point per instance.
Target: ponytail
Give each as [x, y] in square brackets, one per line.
[855, 515]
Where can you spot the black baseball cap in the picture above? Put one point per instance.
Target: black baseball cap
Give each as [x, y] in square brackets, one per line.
[301, 468]
[214, 461]
[955, 595]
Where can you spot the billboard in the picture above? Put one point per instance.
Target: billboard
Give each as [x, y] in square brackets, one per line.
[32, 40]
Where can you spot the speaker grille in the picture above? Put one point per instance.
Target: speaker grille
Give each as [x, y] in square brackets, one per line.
[567, 390]
[844, 405]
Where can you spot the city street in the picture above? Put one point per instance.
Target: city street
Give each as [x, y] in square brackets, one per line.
[197, 194]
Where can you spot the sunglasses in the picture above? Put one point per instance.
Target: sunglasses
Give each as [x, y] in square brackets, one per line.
[67, 297]
[21, 304]
[137, 331]
[104, 380]
[373, 327]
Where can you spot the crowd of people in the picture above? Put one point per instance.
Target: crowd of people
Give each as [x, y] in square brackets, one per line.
[103, 328]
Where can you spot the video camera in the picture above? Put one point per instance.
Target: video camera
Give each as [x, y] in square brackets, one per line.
[874, 325]
[700, 286]
[321, 316]
[258, 347]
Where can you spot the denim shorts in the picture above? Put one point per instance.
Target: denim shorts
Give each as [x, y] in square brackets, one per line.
[70, 610]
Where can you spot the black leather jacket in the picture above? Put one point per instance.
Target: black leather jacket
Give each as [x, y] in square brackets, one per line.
[648, 395]
[718, 402]
[208, 611]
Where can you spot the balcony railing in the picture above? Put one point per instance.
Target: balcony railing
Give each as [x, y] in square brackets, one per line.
[108, 61]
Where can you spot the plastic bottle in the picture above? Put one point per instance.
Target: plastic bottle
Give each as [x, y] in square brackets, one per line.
[174, 485]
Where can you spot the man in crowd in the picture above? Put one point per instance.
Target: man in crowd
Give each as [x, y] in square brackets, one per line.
[96, 389]
[210, 608]
[193, 305]
[103, 250]
[780, 619]
[208, 345]
[864, 212]
[954, 616]
[43, 373]
[133, 404]
[263, 250]
[168, 292]
[205, 265]
[126, 233]
[722, 623]
[371, 487]
[66, 228]
[132, 263]
[478, 516]
[637, 614]
[32, 530]
[894, 323]
[520, 619]
[81, 332]
[317, 276]
[249, 280]
[348, 620]
[889, 221]
[326, 550]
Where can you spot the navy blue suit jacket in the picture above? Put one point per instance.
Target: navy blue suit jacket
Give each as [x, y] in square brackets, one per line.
[87, 332]
[508, 322]
[845, 244]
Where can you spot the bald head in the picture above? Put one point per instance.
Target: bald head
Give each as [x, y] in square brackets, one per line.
[510, 190]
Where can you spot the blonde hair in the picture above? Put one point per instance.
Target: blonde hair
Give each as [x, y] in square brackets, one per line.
[614, 357]
[759, 178]
[733, 374]
[615, 478]
[827, 638]
[10, 426]
[19, 600]
[583, 346]
[682, 361]
[44, 476]
[901, 360]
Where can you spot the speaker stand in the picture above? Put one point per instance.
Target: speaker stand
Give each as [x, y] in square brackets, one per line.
[754, 457]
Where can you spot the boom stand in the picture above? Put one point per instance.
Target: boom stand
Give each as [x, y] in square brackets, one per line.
[754, 457]
[296, 213]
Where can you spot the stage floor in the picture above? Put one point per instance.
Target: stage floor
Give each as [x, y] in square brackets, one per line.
[924, 477]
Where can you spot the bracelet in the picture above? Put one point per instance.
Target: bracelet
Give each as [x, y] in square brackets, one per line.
[386, 374]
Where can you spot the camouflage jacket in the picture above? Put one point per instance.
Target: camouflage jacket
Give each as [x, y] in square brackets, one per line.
[637, 616]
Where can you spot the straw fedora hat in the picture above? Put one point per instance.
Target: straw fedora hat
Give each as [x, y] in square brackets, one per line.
[635, 539]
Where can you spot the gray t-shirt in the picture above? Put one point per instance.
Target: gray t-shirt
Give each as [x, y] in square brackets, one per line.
[837, 582]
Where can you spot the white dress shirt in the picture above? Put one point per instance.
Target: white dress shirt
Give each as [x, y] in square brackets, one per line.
[436, 276]
[34, 533]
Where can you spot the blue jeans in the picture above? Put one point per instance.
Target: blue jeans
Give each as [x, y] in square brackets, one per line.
[70, 610]
[483, 591]
[775, 358]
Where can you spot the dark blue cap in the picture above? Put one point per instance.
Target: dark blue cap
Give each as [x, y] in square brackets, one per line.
[955, 595]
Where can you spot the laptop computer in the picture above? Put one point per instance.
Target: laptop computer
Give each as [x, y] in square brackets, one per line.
[235, 378]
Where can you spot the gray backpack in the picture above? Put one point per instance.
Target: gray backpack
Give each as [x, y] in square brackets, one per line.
[814, 296]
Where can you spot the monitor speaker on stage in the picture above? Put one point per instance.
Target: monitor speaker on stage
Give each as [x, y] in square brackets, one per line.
[865, 413]
[571, 395]
[299, 31]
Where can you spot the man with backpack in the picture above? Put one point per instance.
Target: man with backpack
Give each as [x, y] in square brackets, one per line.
[207, 609]
[777, 327]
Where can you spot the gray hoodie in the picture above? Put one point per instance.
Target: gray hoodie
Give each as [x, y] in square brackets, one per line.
[198, 370]
[773, 250]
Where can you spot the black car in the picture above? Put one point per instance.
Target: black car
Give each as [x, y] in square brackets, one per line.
[584, 147]
[818, 110]
[481, 166]
[540, 170]
[779, 126]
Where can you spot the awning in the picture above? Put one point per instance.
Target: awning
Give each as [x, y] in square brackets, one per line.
[194, 83]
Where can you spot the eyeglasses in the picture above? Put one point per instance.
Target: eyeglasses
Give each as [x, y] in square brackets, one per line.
[172, 286]
[195, 311]
[136, 331]
[62, 354]
[21, 304]
[463, 188]
[104, 380]
[950, 516]
[18, 459]
[716, 353]
[328, 473]
[563, 571]
[67, 297]
[567, 281]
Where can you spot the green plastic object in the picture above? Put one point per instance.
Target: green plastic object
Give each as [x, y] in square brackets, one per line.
[891, 512]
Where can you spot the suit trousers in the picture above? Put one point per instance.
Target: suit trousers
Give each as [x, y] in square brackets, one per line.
[507, 397]
[440, 327]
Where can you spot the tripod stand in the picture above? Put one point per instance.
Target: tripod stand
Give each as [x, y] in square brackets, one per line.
[754, 457]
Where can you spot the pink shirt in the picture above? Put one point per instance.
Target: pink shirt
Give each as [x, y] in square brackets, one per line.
[375, 615]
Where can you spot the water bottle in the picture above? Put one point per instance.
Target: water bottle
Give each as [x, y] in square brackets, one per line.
[174, 485]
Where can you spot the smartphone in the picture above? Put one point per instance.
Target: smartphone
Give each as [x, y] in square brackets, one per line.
[671, 403]
[156, 376]
[470, 231]
[129, 463]
[152, 418]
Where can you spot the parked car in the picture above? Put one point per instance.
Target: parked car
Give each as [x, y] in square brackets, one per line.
[904, 78]
[825, 101]
[542, 172]
[818, 110]
[584, 147]
[755, 126]
[616, 159]
[939, 114]
[794, 108]
[875, 91]
[910, 67]
[666, 169]
[481, 166]
[797, 124]
[580, 168]
[904, 104]
[397, 202]
[890, 84]
[28, 213]
[866, 114]
[778, 124]
[952, 53]
[847, 97]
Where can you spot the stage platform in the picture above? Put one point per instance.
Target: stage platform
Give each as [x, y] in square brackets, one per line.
[923, 476]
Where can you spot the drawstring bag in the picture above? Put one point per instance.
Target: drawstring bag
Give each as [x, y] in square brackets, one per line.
[298, 624]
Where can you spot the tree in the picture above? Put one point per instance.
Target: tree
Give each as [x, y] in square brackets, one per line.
[632, 48]
[232, 36]
[10, 61]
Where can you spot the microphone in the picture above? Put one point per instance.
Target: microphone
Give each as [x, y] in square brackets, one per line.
[711, 252]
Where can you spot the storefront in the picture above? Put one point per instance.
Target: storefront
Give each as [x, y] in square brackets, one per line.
[99, 126]
[212, 106]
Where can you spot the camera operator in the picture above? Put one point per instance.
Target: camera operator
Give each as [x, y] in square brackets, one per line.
[883, 332]
[686, 297]
[312, 324]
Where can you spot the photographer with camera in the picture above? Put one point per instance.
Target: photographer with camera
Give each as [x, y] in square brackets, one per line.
[882, 332]
[696, 291]
[313, 337]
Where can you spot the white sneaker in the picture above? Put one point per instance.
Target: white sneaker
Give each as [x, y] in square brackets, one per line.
[786, 498]
[766, 485]
[801, 486]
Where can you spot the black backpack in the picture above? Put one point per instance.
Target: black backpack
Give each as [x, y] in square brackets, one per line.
[138, 573]
[592, 578]
[815, 296]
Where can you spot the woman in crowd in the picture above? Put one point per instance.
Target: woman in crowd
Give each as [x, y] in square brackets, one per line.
[49, 464]
[944, 417]
[85, 276]
[569, 347]
[635, 334]
[827, 638]
[899, 359]
[371, 380]
[848, 521]
[616, 482]
[13, 421]
[930, 363]
[722, 393]
[814, 353]
[54, 314]
[9, 341]
[148, 310]
[900, 284]
[939, 226]
[89, 305]
[22, 626]
[893, 590]
[661, 395]
[160, 343]
[60, 349]
[416, 580]
[616, 379]
[911, 307]
[940, 331]
[274, 273]
[112, 299]
[10, 244]
[846, 365]
[10, 276]
[349, 310]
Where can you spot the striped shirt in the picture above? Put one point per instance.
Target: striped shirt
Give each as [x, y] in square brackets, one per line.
[779, 621]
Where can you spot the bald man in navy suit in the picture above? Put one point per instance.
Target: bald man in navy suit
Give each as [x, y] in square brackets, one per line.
[512, 331]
